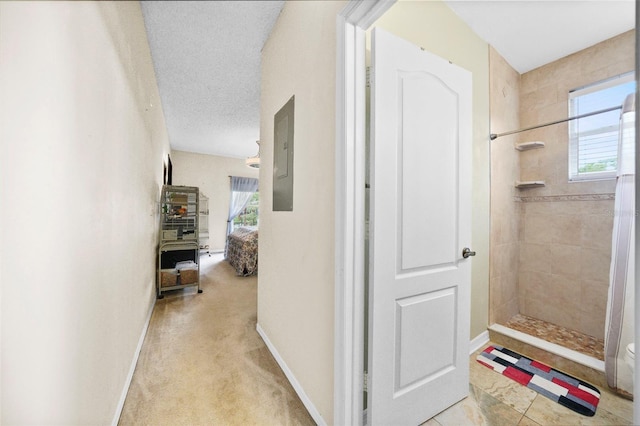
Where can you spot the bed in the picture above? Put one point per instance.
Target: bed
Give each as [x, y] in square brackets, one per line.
[242, 251]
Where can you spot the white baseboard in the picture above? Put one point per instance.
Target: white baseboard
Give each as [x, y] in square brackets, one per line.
[315, 414]
[134, 362]
[479, 341]
[475, 344]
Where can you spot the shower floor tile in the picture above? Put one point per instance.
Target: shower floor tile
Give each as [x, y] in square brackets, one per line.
[570, 339]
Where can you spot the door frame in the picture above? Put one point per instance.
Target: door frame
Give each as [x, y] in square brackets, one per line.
[351, 25]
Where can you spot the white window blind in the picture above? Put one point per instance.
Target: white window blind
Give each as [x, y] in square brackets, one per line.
[593, 141]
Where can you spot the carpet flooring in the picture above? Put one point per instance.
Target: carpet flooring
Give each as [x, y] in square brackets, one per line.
[202, 361]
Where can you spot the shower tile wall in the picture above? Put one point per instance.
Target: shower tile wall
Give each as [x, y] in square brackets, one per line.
[565, 228]
[565, 253]
[505, 213]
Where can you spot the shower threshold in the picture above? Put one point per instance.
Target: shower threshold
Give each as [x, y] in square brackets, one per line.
[570, 361]
[562, 336]
[548, 343]
[554, 348]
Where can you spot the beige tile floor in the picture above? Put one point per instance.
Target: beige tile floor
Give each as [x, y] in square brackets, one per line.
[497, 400]
[203, 363]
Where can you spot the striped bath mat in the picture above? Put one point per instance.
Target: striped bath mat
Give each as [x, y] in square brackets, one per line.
[573, 393]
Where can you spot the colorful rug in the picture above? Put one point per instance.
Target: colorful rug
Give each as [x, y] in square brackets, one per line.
[568, 391]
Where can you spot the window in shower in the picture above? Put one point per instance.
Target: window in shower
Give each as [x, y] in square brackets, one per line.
[593, 141]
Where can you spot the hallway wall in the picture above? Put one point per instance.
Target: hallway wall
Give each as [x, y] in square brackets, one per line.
[81, 165]
[296, 278]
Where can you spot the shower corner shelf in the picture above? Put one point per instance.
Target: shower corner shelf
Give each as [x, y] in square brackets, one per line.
[529, 184]
[525, 146]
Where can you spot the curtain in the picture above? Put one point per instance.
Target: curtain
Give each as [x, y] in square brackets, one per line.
[619, 330]
[242, 189]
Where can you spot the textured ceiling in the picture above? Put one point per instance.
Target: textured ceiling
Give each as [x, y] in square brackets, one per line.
[206, 55]
[529, 34]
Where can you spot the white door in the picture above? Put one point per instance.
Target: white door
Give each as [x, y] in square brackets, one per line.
[420, 224]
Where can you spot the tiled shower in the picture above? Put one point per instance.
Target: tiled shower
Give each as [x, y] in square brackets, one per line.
[550, 245]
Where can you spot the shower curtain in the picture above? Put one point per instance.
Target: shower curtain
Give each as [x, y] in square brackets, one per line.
[619, 331]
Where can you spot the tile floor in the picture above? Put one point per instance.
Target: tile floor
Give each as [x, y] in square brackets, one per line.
[497, 400]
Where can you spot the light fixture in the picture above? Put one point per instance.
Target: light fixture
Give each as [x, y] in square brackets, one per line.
[254, 162]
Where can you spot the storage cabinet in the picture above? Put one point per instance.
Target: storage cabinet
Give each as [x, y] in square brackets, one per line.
[178, 259]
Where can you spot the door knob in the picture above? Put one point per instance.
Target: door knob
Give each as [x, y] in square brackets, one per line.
[466, 252]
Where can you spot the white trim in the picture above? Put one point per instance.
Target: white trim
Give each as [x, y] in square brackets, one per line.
[134, 362]
[313, 411]
[479, 341]
[351, 23]
[577, 357]
[636, 373]
[349, 284]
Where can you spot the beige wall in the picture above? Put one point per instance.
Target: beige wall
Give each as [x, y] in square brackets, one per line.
[295, 285]
[296, 279]
[551, 246]
[81, 159]
[566, 227]
[505, 170]
[211, 174]
[433, 26]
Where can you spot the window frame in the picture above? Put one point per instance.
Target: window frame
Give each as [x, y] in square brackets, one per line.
[574, 174]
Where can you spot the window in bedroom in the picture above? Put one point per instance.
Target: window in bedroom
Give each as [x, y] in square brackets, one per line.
[593, 141]
[249, 216]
